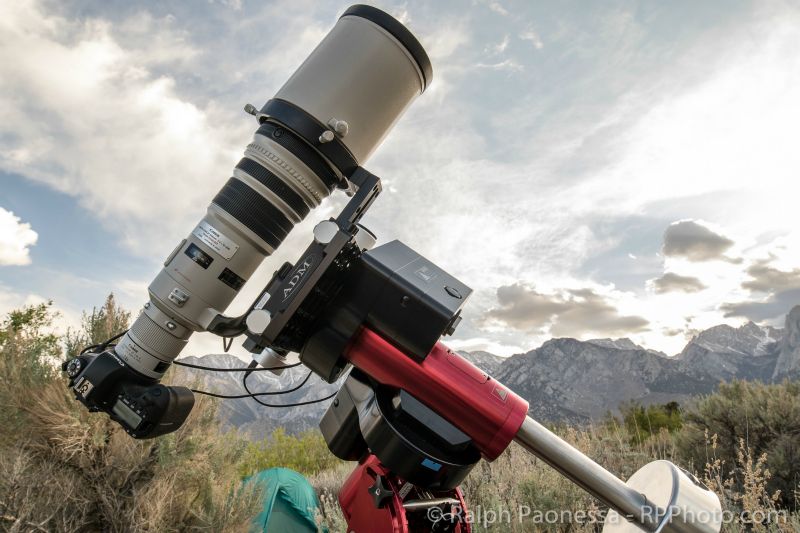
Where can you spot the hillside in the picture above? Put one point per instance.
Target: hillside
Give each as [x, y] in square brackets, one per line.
[565, 380]
[245, 414]
[570, 380]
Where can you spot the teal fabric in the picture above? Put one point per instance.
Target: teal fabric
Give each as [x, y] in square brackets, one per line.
[289, 503]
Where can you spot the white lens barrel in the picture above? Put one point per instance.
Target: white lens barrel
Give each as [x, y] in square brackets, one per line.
[365, 73]
[322, 124]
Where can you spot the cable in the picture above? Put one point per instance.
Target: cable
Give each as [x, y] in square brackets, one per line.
[252, 394]
[287, 391]
[296, 404]
[103, 345]
[273, 393]
[213, 369]
[248, 369]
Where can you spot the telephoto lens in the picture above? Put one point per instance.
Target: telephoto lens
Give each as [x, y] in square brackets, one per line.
[321, 125]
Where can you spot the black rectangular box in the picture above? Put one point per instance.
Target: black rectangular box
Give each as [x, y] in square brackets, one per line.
[406, 298]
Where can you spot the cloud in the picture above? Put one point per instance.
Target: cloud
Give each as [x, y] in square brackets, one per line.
[16, 238]
[533, 37]
[63, 318]
[498, 48]
[571, 312]
[506, 64]
[126, 133]
[773, 307]
[775, 293]
[495, 6]
[552, 151]
[766, 278]
[522, 307]
[11, 300]
[694, 241]
[671, 282]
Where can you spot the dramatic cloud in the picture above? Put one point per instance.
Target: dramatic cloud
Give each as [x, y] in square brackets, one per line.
[572, 312]
[694, 241]
[110, 124]
[774, 307]
[575, 120]
[766, 278]
[16, 238]
[671, 282]
[672, 332]
[775, 293]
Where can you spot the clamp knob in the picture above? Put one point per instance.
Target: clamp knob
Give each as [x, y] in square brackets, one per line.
[258, 320]
[379, 492]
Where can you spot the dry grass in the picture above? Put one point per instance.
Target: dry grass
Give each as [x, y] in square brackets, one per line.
[520, 483]
[742, 489]
[529, 490]
[74, 471]
[327, 485]
[66, 470]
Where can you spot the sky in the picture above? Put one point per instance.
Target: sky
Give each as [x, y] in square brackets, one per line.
[590, 169]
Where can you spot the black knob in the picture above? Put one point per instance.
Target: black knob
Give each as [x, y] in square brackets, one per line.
[379, 492]
[72, 367]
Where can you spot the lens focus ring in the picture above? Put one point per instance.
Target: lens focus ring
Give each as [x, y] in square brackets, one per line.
[275, 184]
[257, 213]
[147, 333]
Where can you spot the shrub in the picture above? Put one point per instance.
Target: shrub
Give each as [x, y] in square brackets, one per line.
[766, 418]
[306, 453]
[643, 422]
[27, 354]
[98, 326]
[65, 469]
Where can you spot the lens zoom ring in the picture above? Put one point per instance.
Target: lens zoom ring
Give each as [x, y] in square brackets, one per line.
[302, 151]
[274, 184]
[149, 336]
[244, 204]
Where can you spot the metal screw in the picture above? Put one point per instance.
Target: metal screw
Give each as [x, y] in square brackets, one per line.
[341, 127]
[250, 109]
[326, 137]
[171, 325]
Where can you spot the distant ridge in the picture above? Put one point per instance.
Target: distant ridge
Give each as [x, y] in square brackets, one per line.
[564, 379]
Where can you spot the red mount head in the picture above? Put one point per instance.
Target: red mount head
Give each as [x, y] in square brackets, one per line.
[480, 406]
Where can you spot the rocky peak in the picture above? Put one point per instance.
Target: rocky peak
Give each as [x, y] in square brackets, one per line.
[749, 339]
[788, 365]
[486, 361]
[623, 344]
[618, 344]
[563, 380]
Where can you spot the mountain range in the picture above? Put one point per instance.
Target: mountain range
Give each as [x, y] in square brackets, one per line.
[564, 379]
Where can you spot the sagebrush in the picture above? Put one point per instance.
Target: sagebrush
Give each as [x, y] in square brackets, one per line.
[67, 470]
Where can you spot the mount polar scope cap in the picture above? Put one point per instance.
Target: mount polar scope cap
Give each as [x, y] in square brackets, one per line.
[318, 129]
